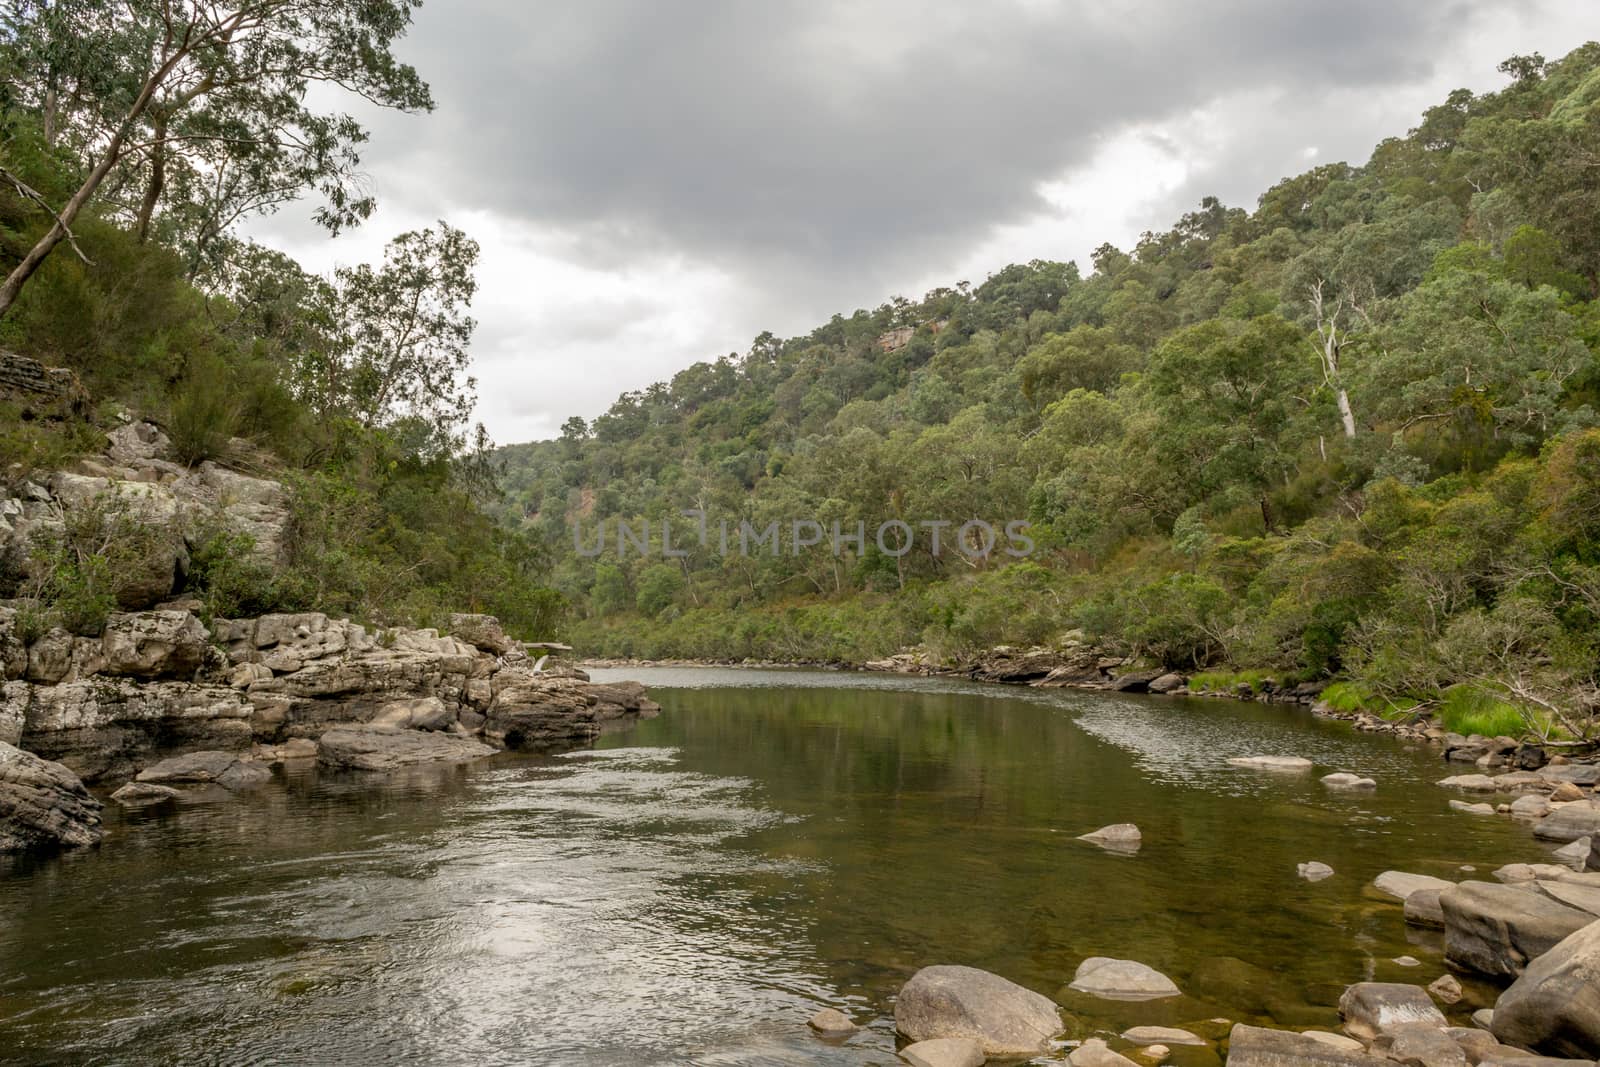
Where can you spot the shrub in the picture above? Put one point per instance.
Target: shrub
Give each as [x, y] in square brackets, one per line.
[205, 413]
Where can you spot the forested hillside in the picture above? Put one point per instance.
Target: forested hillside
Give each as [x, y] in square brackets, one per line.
[1350, 433]
[134, 140]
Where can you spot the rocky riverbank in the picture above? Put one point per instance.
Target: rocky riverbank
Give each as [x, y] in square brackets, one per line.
[159, 703]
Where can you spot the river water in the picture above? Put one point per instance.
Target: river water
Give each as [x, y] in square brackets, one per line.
[691, 891]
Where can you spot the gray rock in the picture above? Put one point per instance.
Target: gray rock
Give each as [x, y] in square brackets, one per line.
[1121, 980]
[43, 805]
[1420, 1045]
[1252, 1046]
[964, 1002]
[1121, 837]
[1423, 909]
[1554, 1007]
[1473, 783]
[1167, 683]
[226, 769]
[1472, 809]
[1483, 1018]
[1314, 871]
[1572, 894]
[1373, 1008]
[1446, 989]
[1340, 1041]
[831, 1022]
[1400, 884]
[1271, 763]
[1576, 773]
[1496, 929]
[144, 794]
[1530, 806]
[1096, 1053]
[944, 1052]
[381, 748]
[1570, 822]
[1575, 854]
[483, 632]
[1346, 780]
[154, 644]
[1161, 1035]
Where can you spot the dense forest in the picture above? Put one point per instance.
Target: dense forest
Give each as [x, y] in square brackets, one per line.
[1351, 434]
[135, 139]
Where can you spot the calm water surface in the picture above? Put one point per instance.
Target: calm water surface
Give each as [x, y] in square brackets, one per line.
[689, 892]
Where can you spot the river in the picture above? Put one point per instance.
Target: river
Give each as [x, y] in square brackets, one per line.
[691, 891]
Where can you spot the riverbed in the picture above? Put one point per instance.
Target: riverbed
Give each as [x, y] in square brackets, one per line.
[693, 890]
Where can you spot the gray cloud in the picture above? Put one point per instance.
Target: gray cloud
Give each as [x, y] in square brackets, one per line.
[792, 135]
[738, 165]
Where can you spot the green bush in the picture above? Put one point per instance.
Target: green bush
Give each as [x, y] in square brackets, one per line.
[1469, 710]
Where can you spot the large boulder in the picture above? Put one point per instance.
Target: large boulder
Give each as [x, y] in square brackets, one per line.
[255, 507]
[154, 644]
[1100, 976]
[531, 711]
[381, 748]
[1570, 822]
[1554, 1007]
[148, 575]
[43, 805]
[1373, 1008]
[1496, 929]
[483, 632]
[1252, 1046]
[951, 1001]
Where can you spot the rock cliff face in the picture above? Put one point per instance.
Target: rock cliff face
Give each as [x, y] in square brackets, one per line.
[159, 683]
[173, 506]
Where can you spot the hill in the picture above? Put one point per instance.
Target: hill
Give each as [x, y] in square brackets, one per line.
[1349, 434]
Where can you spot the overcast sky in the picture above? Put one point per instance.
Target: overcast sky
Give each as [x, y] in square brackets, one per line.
[655, 183]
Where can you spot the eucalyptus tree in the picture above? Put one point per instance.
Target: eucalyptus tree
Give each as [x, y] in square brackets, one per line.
[210, 100]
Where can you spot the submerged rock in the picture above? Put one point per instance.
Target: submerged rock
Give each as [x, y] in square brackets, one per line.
[1101, 976]
[226, 769]
[384, 748]
[944, 1052]
[1446, 989]
[43, 805]
[1554, 1007]
[1314, 871]
[1096, 1053]
[1346, 780]
[1121, 837]
[1161, 1035]
[965, 1002]
[1252, 1046]
[1472, 809]
[831, 1022]
[1271, 763]
[144, 794]
[1472, 783]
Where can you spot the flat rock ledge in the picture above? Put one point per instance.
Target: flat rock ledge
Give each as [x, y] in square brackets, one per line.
[43, 805]
[1005, 1019]
[385, 748]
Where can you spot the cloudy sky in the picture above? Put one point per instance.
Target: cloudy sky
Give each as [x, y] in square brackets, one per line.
[655, 183]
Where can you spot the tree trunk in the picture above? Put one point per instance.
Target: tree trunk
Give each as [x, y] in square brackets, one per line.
[158, 179]
[1266, 513]
[1346, 415]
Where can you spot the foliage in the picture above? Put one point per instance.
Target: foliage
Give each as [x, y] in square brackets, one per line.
[1348, 434]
